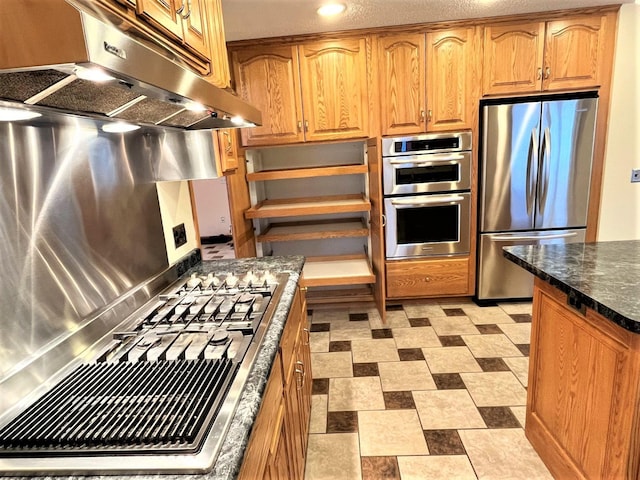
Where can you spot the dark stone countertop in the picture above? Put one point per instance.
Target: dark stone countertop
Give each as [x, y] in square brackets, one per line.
[603, 276]
[227, 465]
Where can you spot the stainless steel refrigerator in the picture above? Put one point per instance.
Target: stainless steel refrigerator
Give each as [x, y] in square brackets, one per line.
[534, 183]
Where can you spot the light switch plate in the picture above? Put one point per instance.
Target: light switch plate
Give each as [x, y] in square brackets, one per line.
[635, 175]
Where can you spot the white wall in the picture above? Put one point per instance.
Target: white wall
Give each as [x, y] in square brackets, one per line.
[212, 205]
[620, 205]
[175, 208]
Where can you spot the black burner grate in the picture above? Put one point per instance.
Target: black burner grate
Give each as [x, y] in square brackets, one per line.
[129, 408]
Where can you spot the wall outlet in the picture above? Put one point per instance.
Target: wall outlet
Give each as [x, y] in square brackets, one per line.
[635, 175]
[223, 220]
[179, 235]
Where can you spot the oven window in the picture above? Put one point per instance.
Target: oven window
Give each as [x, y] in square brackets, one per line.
[428, 224]
[431, 174]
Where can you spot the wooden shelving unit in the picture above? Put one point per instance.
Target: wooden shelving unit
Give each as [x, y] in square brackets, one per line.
[290, 173]
[337, 270]
[293, 207]
[314, 230]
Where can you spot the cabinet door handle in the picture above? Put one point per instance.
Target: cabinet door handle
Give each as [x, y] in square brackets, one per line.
[189, 12]
[429, 115]
[423, 115]
[178, 11]
[306, 125]
[301, 372]
[540, 73]
[547, 73]
[384, 220]
[306, 330]
[299, 126]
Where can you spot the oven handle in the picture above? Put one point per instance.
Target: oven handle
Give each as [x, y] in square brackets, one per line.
[434, 158]
[437, 200]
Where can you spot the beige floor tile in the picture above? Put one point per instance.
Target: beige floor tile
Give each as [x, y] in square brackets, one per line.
[333, 456]
[491, 346]
[494, 389]
[351, 394]
[520, 367]
[447, 409]
[487, 315]
[391, 432]
[517, 332]
[520, 413]
[405, 376]
[396, 319]
[379, 350]
[503, 454]
[516, 308]
[350, 331]
[318, 420]
[330, 315]
[453, 326]
[456, 303]
[330, 365]
[319, 341]
[416, 337]
[450, 360]
[423, 310]
[441, 467]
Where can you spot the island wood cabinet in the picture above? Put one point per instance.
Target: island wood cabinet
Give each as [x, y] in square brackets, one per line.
[427, 81]
[278, 443]
[429, 278]
[582, 398]
[543, 56]
[309, 92]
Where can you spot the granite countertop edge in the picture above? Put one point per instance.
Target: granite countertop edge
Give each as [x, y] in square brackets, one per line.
[576, 296]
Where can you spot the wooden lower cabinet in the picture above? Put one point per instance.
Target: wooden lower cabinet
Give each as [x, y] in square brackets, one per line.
[428, 278]
[582, 399]
[278, 443]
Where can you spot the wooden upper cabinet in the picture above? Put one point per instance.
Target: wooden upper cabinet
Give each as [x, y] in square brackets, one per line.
[402, 83]
[513, 58]
[194, 26]
[450, 79]
[163, 13]
[219, 75]
[268, 79]
[334, 89]
[556, 55]
[226, 153]
[573, 53]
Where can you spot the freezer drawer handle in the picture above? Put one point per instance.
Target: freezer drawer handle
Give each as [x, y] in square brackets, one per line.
[506, 238]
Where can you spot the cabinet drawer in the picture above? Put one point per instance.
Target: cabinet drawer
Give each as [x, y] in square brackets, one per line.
[290, 337]
[428, 278]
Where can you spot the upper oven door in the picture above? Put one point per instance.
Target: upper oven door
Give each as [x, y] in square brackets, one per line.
[438, 172]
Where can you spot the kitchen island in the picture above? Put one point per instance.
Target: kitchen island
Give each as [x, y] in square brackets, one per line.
[583, 413]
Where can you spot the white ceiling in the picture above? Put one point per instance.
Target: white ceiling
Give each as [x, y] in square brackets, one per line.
[244, 19]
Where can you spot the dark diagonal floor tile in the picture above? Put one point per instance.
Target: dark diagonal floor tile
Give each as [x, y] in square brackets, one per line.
[320, 327]
[488, 329]
[524, 348]
[380, 468]
[492, 364]
[419, 322]
[452, 341]
[398, 400]
[342, 422]
[453, 312]
[365, 370]
[409, 354]
[499, 417]
[340, 346]
[393, 308]
[521, 317]
[358, 317]
[320, 386]
[381, 333]
[444, 442]
[448, 381]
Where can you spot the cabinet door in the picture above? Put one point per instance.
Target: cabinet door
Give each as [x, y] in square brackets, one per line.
[228, 154]
[513, 58]
[334, 89]
[163, 13]
[194, 16]
[449, 73]
[402, 83]
[573, 53]
[219, 75]
[268, 78]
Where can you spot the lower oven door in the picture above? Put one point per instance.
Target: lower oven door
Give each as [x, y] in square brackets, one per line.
[424, 225]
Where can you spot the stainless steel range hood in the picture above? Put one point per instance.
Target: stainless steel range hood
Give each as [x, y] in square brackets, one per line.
[46, 46]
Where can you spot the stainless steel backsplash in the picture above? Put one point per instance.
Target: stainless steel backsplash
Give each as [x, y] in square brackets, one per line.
[80, 226]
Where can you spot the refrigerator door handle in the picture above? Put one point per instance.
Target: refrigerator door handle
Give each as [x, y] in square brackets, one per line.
[511, 237]
[543, 176]
[532, 158]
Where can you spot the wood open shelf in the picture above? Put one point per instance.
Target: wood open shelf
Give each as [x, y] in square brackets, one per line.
[289, 173]
[291, 207]
[337, 270]
[314, 230]
[361, 293]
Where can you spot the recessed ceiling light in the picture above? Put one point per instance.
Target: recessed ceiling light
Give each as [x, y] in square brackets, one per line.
[13, 114]
[119, 127]
[93, 74]
[331, 9]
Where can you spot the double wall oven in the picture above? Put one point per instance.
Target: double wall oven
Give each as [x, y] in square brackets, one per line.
[427, 199]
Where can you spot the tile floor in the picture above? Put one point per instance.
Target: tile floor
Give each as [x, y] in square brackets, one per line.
[438, 392]
[217, 251]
